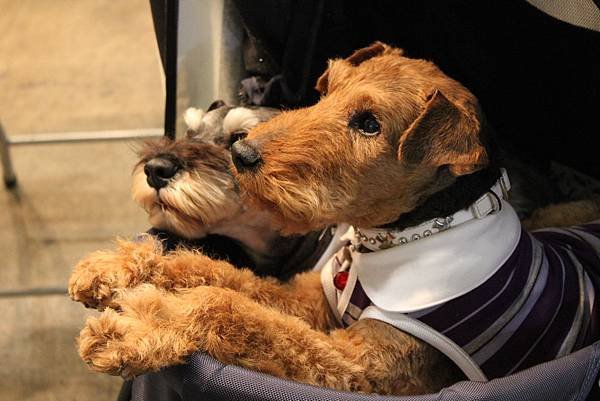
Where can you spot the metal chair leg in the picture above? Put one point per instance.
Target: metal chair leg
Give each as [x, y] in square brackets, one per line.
[10, 179]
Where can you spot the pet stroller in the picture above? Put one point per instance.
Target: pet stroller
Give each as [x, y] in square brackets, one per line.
[279, 48]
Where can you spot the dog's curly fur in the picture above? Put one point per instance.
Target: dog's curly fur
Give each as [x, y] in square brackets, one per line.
[190, 302]
[316, 169]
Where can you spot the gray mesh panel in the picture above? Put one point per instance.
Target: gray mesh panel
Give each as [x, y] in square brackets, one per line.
[205, 379]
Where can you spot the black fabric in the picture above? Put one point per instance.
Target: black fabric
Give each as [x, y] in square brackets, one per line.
[215, 246]
[538, 78]
[125, 393]
[306, 253]
[265, 42]
[205, 379]
[292, 41]
[293, 254]
[594, 394]
[160, 386]
[296, 254]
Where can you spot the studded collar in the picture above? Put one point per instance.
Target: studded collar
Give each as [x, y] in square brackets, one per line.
[375, 239]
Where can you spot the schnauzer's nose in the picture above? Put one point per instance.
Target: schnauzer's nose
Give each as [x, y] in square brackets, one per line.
[245, 155]
[158, 171]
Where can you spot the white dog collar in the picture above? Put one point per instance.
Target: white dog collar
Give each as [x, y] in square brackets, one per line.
[377, 239]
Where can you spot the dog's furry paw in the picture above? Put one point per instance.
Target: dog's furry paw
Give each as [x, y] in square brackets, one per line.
[135, 340]
[101, 342]
[98, 278]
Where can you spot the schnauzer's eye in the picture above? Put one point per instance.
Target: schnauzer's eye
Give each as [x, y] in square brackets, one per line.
[365, 122]
[236, 136]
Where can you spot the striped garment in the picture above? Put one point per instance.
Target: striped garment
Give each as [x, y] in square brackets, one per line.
[539, 305]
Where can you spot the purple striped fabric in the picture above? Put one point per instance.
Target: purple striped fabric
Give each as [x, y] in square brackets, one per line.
[540, 305]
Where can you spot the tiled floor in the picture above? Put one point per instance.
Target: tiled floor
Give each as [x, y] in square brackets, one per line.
[66, 66]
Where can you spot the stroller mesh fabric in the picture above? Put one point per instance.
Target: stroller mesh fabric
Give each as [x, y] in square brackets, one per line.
[205, 379]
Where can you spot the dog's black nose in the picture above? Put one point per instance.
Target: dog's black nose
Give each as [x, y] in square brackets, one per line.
[158, 171]
[245, 155]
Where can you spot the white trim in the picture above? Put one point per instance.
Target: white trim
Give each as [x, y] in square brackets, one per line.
[331, 293]
[343, 233]
[346, 293]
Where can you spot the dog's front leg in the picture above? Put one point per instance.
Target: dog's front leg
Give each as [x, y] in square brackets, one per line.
[302, 296]
[99, 276]
[156, 328]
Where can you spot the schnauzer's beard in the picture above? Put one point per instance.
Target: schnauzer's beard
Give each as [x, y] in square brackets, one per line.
[191, 204]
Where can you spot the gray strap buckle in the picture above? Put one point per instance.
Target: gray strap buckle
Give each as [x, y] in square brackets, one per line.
[489, 203]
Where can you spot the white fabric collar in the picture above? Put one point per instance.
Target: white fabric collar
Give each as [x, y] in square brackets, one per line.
[425, 273]
[343, 233]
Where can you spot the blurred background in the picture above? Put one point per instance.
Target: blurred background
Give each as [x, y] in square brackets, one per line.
[66, 65]
[94, 65]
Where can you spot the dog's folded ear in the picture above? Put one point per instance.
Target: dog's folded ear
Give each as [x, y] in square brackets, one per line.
[373, 50]
[358, 56]
[444, 135]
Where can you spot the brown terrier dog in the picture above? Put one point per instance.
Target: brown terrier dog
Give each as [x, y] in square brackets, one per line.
[392, 143]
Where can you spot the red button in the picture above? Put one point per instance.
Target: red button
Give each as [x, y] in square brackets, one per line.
[340, 280]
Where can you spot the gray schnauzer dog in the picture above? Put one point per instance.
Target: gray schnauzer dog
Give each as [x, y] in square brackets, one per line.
[192, 199]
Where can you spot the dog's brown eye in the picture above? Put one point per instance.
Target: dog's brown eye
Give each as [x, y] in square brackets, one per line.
[236, 136]
[365, 122]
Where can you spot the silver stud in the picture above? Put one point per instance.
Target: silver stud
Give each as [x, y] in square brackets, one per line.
[403, 240]
[439, 223]
[332, 230]
[372, 241]
[363, 237]
[415, 237]
[427, 233]
[443, 223]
